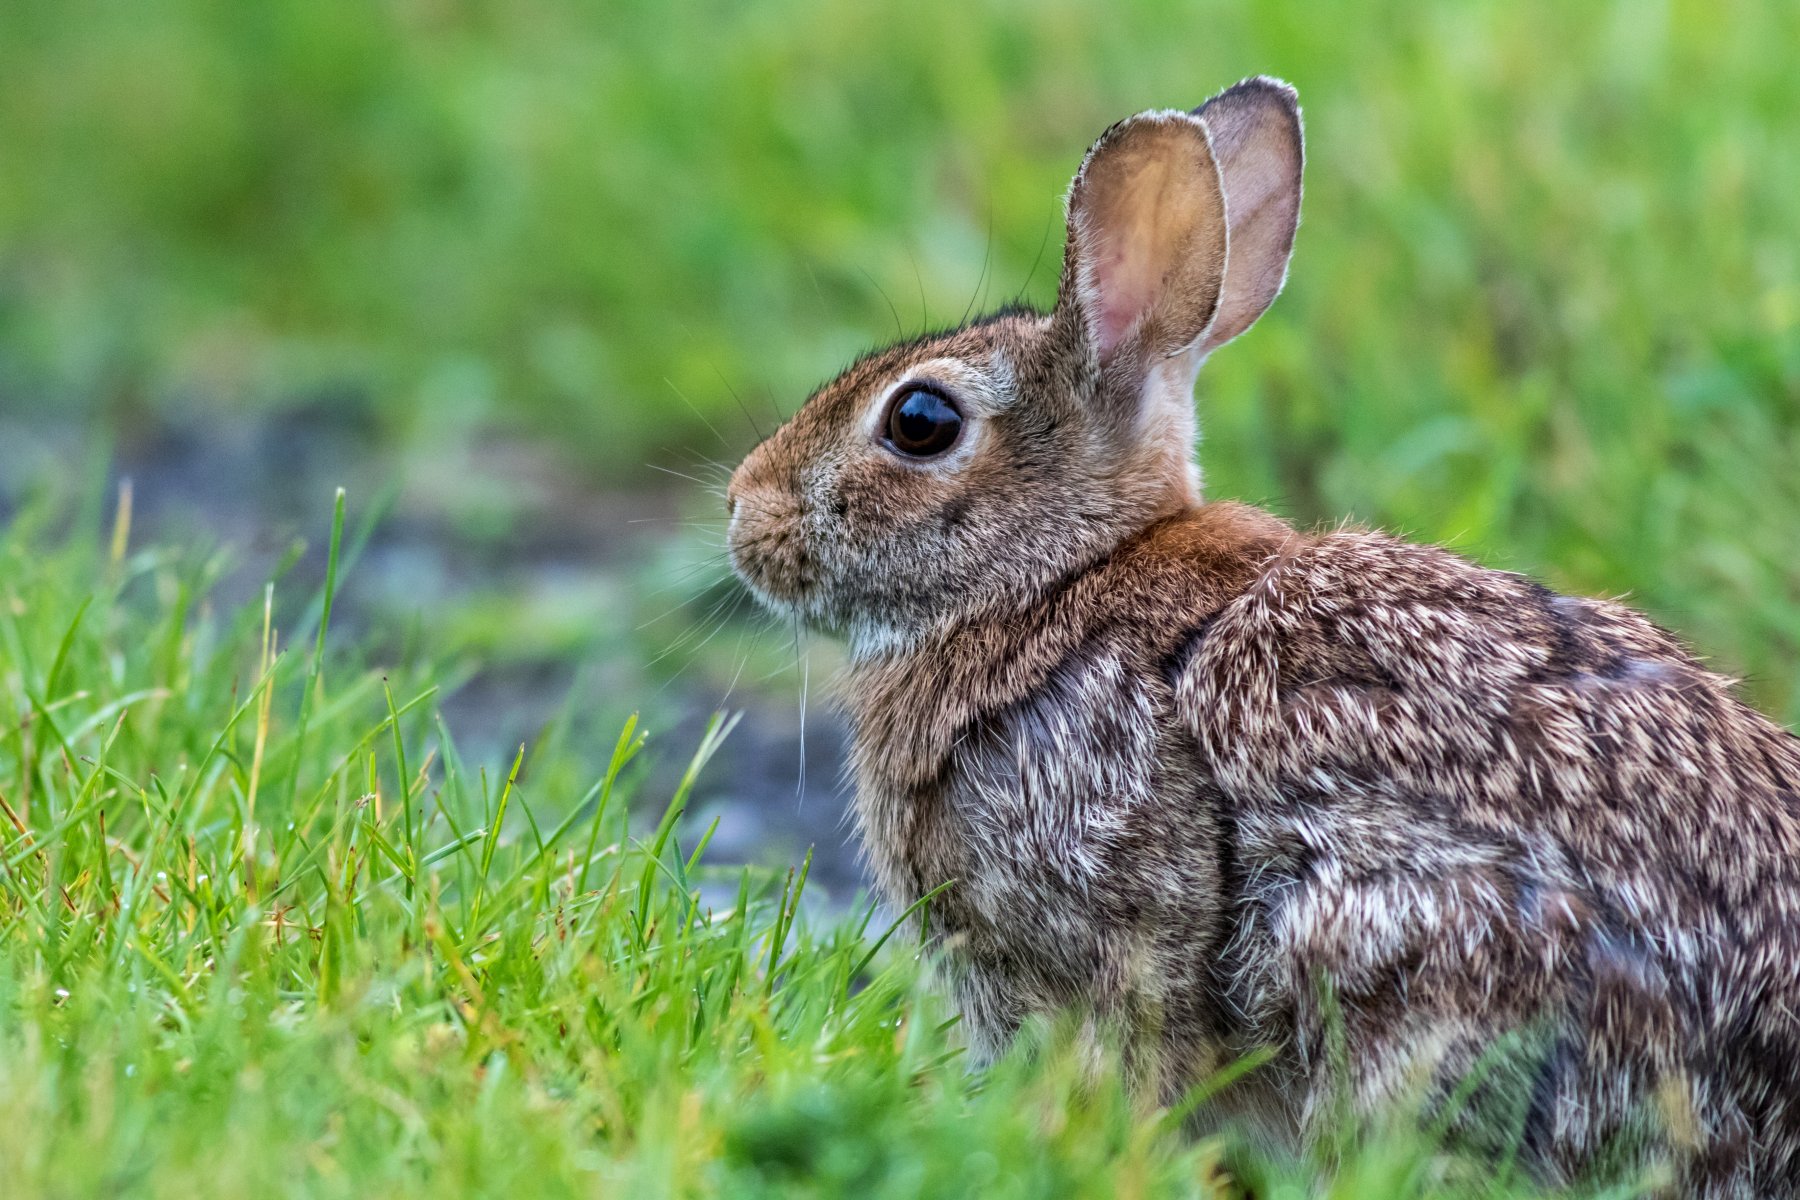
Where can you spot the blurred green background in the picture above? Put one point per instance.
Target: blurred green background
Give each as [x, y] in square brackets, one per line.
[1545, 304]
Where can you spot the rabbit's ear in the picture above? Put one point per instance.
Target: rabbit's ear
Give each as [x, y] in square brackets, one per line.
[1146, 256]
[1257, 142]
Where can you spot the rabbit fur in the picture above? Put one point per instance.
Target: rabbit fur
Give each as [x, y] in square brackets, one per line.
[1227, 785]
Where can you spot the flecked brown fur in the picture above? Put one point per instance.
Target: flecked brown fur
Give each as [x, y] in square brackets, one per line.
[1226, 785]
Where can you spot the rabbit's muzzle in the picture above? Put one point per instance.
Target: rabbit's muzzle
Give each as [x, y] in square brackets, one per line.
[768, 544]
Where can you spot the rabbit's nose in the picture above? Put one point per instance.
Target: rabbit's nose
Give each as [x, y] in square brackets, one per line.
[749, 480]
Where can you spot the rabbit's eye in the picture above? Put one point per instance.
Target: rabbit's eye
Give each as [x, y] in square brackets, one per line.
[922, 424]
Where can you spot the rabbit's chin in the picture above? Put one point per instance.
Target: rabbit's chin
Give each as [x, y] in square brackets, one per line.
[802, 607]
[792, 610]
[870, 639]
[865, 635]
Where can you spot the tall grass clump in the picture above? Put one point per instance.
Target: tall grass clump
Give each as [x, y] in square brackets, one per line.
[264, 931]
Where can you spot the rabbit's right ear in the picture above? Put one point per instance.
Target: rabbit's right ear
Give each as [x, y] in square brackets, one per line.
[1258, 144]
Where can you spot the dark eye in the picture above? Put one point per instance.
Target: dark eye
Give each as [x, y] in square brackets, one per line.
[922, 423]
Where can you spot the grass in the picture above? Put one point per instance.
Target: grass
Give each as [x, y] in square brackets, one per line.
[264, 931]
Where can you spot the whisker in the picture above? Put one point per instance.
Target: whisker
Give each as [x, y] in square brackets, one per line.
[713, 623]
[803, 665]
[772, 672]
[711, 464]
[919, 278]
[1043, 244]
[680, 475]
[898, 331]
[743, 661]
[708, 523]
[684, 576]
[694, 630]
[824, 308]
[742, 407]
[693, 479]
[986, 256]
[709, 425]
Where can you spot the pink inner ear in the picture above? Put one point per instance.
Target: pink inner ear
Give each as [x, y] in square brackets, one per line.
[1129, 273]
[1123, 296]
[1147, 231]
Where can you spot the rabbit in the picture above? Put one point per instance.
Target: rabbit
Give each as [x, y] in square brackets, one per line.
[1229, 786]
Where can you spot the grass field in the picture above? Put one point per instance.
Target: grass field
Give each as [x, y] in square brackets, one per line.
[264, 931]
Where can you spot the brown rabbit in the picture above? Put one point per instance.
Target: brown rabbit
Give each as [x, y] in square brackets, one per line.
[1227, 785]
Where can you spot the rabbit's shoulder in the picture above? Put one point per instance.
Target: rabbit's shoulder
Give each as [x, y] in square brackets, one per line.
[1360, 662]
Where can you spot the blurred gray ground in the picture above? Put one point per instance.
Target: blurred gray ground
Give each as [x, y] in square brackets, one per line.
[544, 572]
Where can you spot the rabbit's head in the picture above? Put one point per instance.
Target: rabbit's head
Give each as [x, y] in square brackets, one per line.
[968, 471]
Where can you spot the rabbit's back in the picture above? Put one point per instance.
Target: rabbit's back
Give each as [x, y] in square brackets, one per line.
[1474, 806]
